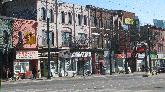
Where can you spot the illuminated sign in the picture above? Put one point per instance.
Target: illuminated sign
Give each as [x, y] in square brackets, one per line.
[129, 21]
[27, 55]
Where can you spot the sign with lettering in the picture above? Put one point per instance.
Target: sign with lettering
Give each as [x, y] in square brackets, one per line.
[27, 55]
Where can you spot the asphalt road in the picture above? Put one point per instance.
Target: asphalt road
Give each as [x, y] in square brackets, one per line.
[118, 83]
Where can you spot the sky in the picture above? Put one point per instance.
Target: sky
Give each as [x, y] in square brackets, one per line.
[146, 10]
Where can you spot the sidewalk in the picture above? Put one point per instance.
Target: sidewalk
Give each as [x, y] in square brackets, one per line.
[70, 78]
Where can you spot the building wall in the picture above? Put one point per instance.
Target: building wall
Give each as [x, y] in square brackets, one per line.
[74, 28]
[157, 39]
[42, 23]
[24, 34]
[24, 9]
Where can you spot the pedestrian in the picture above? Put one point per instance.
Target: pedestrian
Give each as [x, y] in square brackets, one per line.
[34, 72]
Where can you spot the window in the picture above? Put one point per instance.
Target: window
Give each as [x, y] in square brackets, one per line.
[44, 37]
[79, 19]
[100, 23]
[82, 37]
[52, 38]
[92, 21]
[63, 17]
[70, 18]
[95, 21]
[51, 16]
[66, 39]
[85, 20]
[43, 13]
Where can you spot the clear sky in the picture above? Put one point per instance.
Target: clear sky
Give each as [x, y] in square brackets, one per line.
[146, 10]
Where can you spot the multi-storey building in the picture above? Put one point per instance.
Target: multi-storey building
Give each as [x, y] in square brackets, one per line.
[74, 37]
[69, 29]
[79, 36]
[159, 23]
[101, 21]
[38, 10]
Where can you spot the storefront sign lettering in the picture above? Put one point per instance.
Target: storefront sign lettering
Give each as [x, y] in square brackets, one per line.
[27, 55]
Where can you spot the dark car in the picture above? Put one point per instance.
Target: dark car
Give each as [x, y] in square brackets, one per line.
[161, 68]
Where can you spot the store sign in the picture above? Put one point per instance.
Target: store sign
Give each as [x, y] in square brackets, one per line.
[27, 55]
[81, 54]
[129, 21]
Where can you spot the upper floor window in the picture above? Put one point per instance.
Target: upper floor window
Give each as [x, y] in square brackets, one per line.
[63, 17]
[79, 19]
[85, 20]
[95, 21]
[51, 37]
[51, 16]
[82, 37]
[70, 18]
[43, 13]
[44, 37]
[100, 23]
[66, 39]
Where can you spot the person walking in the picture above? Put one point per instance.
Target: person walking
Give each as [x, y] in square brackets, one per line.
[34, 72]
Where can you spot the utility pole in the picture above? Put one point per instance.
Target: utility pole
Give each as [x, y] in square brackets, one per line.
[110, 60]
[149, 49]
[56, 29]
[48, 41]
[126, 66]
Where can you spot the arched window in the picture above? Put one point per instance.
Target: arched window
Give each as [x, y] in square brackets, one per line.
[43, 13]
[51, 16]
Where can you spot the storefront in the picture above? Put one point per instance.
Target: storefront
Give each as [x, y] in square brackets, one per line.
[119, 60]
[24, 40]
[81, 62]
[25, 62]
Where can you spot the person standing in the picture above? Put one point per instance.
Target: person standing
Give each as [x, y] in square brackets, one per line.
[34, 72]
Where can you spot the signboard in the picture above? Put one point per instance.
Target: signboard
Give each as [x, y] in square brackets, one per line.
[27, 55]
[129, 21]
[24, 33]
[81, 54]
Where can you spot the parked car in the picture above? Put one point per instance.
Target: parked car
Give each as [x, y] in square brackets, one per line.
[161, 68]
